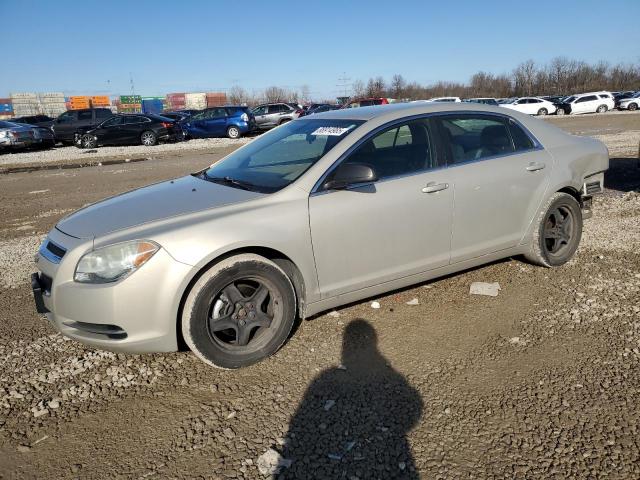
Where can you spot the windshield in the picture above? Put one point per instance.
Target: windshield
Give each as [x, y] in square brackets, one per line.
[569, 99]
[281, 156]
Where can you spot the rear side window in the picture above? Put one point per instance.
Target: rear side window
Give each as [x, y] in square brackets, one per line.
[399, 150]
[521, 141]
[84, 116]
[113, 122]
[102, 113]
[475, 136]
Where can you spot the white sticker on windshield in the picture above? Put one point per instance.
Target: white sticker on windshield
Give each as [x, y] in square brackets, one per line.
[332, 131]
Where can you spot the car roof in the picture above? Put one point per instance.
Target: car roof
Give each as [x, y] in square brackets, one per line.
[399, 110]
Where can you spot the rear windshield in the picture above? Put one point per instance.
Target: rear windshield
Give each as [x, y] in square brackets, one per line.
[279, 157]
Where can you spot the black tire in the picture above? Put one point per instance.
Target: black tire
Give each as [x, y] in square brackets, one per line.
[560, 111]
[233, 132]
[602, 109]
[148, 138]
[256, 328]
[558, 230]
[633, 106]
[543, 111]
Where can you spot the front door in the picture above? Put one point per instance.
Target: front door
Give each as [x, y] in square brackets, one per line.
[109, 131]
[498, 175]
[392, 228]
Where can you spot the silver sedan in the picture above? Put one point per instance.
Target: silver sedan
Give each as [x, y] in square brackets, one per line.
[319, 212]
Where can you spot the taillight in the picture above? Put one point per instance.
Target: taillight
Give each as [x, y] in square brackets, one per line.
[244, 117]
[167, 124]
[299, 111]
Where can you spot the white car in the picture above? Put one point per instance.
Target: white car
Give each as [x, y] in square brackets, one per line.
[531, 105]
[631, 103]
[445, 99]
[594, 102]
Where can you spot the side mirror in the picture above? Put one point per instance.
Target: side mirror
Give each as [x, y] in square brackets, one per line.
[349, 174]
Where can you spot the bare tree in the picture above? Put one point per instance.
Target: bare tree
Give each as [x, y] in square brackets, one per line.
[276, 94]
[375, 87]
[238, 95]
[359, 90]
[398, 84]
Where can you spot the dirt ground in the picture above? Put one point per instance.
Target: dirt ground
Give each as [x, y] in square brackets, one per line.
[541, 381]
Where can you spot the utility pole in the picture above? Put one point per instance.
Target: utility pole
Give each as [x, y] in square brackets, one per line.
[344, 84]
[133, 88]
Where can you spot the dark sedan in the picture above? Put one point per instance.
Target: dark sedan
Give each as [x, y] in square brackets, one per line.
[131, 129]
[36, 120]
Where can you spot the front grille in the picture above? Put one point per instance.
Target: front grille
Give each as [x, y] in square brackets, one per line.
[593, 187]
[57, 250]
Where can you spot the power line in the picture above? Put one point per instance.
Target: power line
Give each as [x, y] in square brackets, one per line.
[344, 83]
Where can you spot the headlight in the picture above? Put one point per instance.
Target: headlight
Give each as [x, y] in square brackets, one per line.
[108, 264]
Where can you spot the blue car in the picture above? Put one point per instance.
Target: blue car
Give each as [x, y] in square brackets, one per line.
[228, 121]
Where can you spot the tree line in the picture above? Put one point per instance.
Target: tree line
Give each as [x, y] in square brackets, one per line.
[560, 76]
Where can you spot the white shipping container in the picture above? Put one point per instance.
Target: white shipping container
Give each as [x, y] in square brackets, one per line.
[54, 109]
[51, 95]
[25, 95]
[52, 98]
[196, 101]
[22, 109]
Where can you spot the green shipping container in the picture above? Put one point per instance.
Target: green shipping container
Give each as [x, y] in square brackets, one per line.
[130, 99]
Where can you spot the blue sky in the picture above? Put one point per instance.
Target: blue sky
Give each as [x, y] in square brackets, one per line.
[91, 47]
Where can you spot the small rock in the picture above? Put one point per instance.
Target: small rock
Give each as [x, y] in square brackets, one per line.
[334, 314]
[484, 288]
[341, 367]
[231, 415]
[414, 301]
[39, 413]
[329, 404]
[334, 456]
[375, 305]
[447, 411]
[53, 404]
[402, 465]
[24, 448]
[272, 463]
[229, 433]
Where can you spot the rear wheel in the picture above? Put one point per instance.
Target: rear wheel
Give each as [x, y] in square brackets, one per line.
[239, 312]
[233, 132]
[560, 111]
[542, 111]
[633, 106]
[148, 138]
[602, 109]
[558, 231]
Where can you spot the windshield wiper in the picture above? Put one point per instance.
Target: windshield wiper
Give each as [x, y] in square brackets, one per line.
[231, 181]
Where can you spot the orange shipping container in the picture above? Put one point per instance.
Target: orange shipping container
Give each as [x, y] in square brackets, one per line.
[80, 98]
[100, 100]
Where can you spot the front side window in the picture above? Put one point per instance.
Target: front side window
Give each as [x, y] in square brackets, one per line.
[84, 116]
[475, 136]
[399, 150]
[279, 157]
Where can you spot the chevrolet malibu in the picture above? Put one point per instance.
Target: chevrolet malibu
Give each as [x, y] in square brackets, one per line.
[320, 212]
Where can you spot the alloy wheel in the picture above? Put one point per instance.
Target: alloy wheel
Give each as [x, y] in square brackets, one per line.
[243, 313]
[148, 139]
[559, 229]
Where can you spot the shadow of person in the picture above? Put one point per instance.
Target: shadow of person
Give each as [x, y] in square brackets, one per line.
[353, 420]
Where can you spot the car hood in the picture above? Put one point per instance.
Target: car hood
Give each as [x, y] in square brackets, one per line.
[147, 204]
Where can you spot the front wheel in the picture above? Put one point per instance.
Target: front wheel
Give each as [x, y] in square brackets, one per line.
[602, 109]
[560, 111]
[633, 106]
[233, 132]
[239, 312]
[557, 232]
[542, 111]
[148, 139]
[88, 141]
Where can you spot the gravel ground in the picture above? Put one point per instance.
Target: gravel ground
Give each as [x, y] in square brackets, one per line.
[539, 382]
[63, 154]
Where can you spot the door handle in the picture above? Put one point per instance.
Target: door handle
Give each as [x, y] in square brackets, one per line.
[433, 187]
[535, 166]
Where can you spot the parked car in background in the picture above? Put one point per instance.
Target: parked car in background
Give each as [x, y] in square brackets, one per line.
[553, 98]
[531, 105]
[37, 120]
[483, 100]
[271, 115]
[324, 107]
[130, 129]
[66, 125]
[228, 121]
[178, 116]
[631, 103]
[366, 102]
[619, 96]
[44, 137]
[445, 99]
[594, 102]
[15, 136]
[315, 214]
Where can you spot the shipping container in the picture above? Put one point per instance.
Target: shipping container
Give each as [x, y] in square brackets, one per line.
[5, 100]
[152, 105]
[22, 109]
[130, 99]
[25, 96]
[6, 107]
[216, 99]
[51, 97]
[196, 101]
[100, 100]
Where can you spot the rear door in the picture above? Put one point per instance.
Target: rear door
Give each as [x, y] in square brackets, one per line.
[65, 126]
[133, 127]
[215, 122]
[498, 174]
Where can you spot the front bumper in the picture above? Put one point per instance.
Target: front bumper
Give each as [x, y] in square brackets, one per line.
[137, 314]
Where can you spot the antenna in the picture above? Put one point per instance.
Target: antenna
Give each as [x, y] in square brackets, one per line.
[133, 88]
[344, 83]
